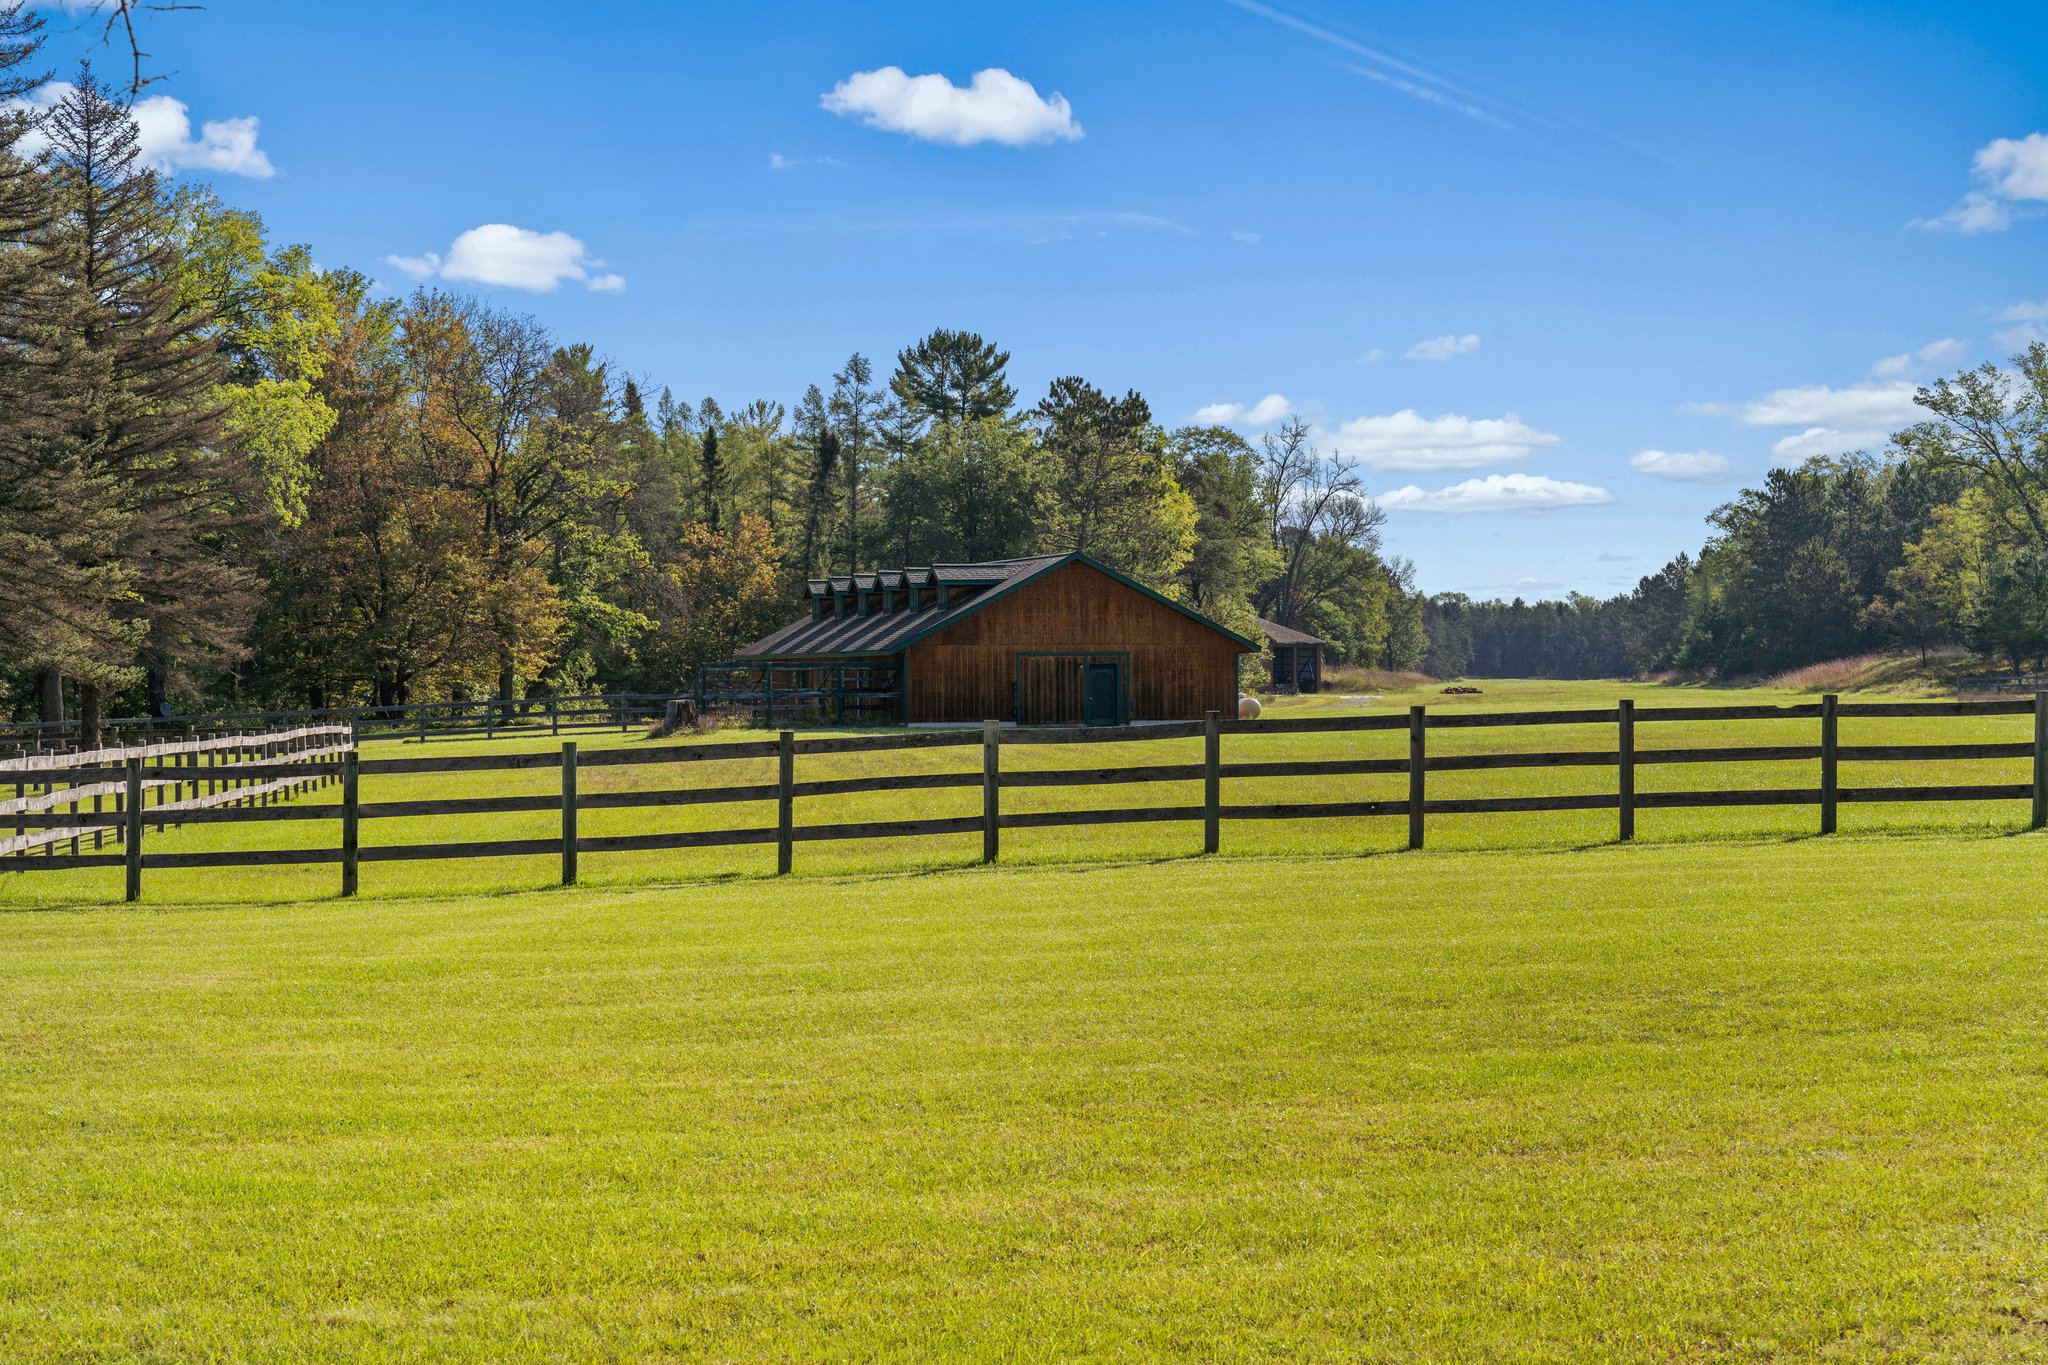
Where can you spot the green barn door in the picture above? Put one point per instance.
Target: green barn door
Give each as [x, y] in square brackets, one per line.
[1105, 695]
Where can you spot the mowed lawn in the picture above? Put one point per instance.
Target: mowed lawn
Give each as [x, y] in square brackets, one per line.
[1750, 1100]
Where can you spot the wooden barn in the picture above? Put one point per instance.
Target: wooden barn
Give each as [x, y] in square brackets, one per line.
[1297, 657]
[1049, 640]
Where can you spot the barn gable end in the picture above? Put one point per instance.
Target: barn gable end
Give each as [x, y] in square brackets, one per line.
[1175, 665]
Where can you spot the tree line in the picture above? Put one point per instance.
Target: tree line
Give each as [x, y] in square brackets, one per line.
[1940, 541]
[232, 478]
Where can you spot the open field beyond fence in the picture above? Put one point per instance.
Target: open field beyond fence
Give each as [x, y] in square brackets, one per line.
[1517, 766]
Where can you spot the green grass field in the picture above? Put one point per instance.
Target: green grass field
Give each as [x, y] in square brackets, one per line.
[1084, 844]
[1730, 1093]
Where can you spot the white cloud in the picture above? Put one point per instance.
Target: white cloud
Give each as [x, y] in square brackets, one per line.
[1373, 356]
[1263, 413]
[2029, 317]
[1868, 407]
[1248, 238]
[2015, 168]
[994, 107]
[1823, 441]
[1683, 466]
[2012, 172]
[1444, 347]
[514, 257]
[1973, 213]
[420, 267]
[163, 136]
[1408, 440]
[1940, 352]
[778, 162]
[1704, 409]
[1497, 493]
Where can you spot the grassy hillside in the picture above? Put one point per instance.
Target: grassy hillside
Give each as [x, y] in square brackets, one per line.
[1755, 1101]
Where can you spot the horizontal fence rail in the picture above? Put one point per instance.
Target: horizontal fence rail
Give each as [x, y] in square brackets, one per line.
[488, 717]
[120, 791]
[245, 778]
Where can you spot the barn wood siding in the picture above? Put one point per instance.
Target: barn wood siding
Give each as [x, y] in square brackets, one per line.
[1179, 668]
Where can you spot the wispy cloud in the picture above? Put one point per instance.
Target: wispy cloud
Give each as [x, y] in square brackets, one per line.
[1444, 347]
[1430, 95]
[778, 162]
[2012, 179]
[1497, 493]
[1408, 440]
[1681, 466]
[1832, 420]
[1263, 413]
[1941, 352]
[1387, 69]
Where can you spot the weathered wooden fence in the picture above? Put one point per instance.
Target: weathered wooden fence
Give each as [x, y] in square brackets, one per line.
[488, 717]
[1627, 757]
[159, 784]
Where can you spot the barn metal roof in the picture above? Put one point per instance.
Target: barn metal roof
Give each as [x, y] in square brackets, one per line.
[891, 632]
[1287, 635]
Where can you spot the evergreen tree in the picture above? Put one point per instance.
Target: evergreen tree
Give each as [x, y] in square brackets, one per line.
[950, 378]
[145, 416]
[59, 575]
[713, 467]
[817, 549]
[859, 414]
[1112, 493]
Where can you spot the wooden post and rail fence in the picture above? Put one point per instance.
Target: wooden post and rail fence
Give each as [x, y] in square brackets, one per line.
[485, 718]
[263, 769]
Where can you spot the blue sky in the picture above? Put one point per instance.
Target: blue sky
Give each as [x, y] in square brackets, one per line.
[1560, 278]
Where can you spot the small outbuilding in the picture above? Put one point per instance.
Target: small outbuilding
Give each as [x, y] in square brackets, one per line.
[1048, 640]
[1297, 657]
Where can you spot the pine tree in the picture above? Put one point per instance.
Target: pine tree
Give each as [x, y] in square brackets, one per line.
[817, 548]
[141, 418]
[951, 378]
[59, 577]
[713, 465]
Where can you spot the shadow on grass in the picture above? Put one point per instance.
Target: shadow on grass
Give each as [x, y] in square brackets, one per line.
[1046, 865]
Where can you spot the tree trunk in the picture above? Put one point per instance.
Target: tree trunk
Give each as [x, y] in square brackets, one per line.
[50, 696]
[159, 692]
[88, 715]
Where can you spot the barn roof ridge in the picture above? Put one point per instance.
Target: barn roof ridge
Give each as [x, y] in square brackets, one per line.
[894, 632]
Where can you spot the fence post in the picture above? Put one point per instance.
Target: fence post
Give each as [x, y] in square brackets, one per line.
[1830, 726]
[991, 789]
[569, 812]
[1627, 774]
[2040, 760]
[785, 800]
[132, 810]
[349, 803]
[1418, 719]
[1212, 779]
